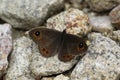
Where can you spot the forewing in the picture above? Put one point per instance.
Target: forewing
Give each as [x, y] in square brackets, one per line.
[47, 40]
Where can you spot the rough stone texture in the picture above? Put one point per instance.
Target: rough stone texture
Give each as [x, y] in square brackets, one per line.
[102, 5]
[115, 35]
[17, 33]
[5, 46]
[75, 1]
[46, 79]
[58, 77]
[26, 63]
[25, 14]
[115, 16]
[101, 23]
[61, 77]
[102, 61]
[74, 4]
[74, 20]
[19, 60]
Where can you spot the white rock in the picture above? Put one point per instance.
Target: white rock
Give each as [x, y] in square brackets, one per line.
[102, 61]
[73, 20]
[5, 46]
[61, 77]
[102, 5]
[58, 77]
[101, 23]
[20, 60]
[115, 35]
[46, 79]
[26, 62]
[115, 14]
[25, 14]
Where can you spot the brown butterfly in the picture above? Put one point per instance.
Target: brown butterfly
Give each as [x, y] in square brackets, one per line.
[52, 41]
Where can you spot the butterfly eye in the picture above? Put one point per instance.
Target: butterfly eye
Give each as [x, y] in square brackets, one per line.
[81, 45]
[37, 33]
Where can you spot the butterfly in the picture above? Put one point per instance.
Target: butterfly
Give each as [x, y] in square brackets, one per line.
[50, 42]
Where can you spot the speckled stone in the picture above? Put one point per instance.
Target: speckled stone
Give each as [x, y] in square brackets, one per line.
[101, 23]
[26, 63]
[58, 77]
[115, 16]
[102, 61]
[102, 5]
[61, 77]
[73, 20]
[46, 78]
[25, 14]
[115, 35]
[20, 60]
[5, 46]
[75, 1]
[74, 4]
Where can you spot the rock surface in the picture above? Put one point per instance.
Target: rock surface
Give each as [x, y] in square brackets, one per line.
[73, 20]
[61, 77]
[101, 23]
[115, 16]
[115, 35]
[102, 5]
[5, 46]
[74, 4]
[25, 14]
[27, 63]
[102, 61]
[58, 77]
[19, 60]
[46, 78]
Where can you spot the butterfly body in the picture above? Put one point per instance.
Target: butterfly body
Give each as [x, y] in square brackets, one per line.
[51, 42]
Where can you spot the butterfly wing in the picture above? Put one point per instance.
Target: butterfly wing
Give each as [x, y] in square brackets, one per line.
[71, 46]
[47, 40]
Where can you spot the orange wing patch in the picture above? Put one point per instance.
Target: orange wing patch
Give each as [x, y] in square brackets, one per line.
[66, 57]
[44, 52]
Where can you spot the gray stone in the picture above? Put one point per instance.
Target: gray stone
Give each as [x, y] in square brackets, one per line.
[25, 14]
[20, 60]
[61, 77]
[75, 1]
[74, 4]
[115, 35]
[73, 20]
[26, 63]
[47, 78]
[115, 16]
[58, 77]
[102, 5]
[101, 23]
[5, 46]
[102, 61]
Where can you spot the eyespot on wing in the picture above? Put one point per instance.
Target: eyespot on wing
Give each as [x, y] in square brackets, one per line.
[36, 35]
[82, 47]
[66, 57]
